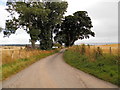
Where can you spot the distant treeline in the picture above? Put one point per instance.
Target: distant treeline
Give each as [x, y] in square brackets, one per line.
[16, 44]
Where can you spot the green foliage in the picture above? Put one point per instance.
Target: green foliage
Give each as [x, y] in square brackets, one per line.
[30, 15]
[57, 10]
[74, 27]
[104, 67]
[42, 19]
[37, 18]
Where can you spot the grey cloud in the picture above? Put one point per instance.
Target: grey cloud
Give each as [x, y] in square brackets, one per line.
[106, 13]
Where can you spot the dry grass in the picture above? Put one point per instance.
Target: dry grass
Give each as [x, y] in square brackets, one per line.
[109, 45]
[16, 60]
[110, 48]
[10, 54]
[94, 51]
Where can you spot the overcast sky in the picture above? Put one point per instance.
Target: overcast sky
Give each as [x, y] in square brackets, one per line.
[104, 15]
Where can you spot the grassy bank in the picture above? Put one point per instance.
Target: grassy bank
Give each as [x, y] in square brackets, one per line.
[95, 62]
[15, 66]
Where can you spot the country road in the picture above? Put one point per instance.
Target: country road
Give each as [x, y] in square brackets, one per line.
[53, 72]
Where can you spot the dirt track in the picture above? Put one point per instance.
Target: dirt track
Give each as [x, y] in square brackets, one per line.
[53, 72]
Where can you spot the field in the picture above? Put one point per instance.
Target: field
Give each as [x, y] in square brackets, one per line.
[101, 61]
[12, 47]
[10, 55]
[14, 59]
[111, 48]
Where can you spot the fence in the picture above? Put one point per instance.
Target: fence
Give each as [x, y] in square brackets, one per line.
[111, 50]
[115, 50]
[11, 55]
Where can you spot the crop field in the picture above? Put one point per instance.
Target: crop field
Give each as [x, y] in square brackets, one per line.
[12, 47]
[110, 48]
[7, 53]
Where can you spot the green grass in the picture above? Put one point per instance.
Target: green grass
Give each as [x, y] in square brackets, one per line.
[18, 65]
[104, 67]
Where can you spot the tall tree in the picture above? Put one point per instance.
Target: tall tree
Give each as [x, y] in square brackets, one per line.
[31, 15]
[57, 10]
[74, 27]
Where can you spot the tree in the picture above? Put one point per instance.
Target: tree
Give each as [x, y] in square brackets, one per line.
[74, 27]
[37, 18]
[31, 15]
[57, 10]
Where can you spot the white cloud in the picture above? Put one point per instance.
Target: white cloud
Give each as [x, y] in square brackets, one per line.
[3, 0]
[21, 37]
[3, 16]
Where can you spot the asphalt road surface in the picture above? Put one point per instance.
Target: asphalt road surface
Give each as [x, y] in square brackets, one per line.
[53, 72]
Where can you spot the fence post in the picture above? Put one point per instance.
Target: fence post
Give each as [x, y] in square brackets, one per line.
[19, 54]
[110, 50]
[88, 46]
[26, 54]
[12, 54]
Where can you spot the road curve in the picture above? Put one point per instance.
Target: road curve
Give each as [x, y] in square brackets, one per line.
[53, 72]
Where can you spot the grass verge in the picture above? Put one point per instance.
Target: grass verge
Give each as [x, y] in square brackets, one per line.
[104, 67]
[19, 64]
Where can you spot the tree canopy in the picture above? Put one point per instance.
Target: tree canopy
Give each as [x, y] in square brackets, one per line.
[74, 27]
[43, 19]
[37, 18]
[57, 10]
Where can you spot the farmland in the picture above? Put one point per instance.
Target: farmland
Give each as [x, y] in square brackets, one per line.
[101, 61]
[110, 48]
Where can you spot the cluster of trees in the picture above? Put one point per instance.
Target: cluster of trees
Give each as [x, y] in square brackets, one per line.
[43, 19]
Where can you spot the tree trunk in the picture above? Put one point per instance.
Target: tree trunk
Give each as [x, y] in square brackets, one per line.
[33, 44]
